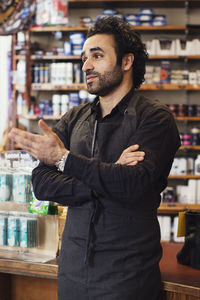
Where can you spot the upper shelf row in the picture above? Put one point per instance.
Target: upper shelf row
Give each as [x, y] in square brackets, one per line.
[171, 28]
[131, 3]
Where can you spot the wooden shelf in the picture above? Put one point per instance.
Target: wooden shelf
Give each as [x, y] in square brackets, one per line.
[84, 29]
[57, 28]
[131, 3]
[191, 57]
[124, 3]
[139, 1]
[57, 87]
[169, 87]
[191, 87]
[187, 176]
[161, 28]
[76, 57]
[188, 118]
[55, 57]
[35, 118]
[191, 147]
[20, 57]
[145, 86]
[175, 207]
[174, 57]
[168, 57]
[19, 266]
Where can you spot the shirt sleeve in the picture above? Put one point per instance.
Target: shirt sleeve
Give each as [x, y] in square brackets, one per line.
[51, 185]
[158, 136]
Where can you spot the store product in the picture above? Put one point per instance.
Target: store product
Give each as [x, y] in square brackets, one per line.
[54, 12]
[5, 184]
[15, 176]
[18, 229]
[13, 231]
[28, 232]
[21, 188]
[165, 72]
[20, 101]
[197, 166]
[38, 206]
[190, 252]
[3, 229]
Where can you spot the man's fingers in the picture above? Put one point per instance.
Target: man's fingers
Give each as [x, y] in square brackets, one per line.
[16, 133]
[25, 142]
[135, 154]
[131, 148]
[46, 130]
[133, 159]
[133, 163]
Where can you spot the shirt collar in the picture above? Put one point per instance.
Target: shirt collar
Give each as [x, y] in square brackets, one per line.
[121, 106]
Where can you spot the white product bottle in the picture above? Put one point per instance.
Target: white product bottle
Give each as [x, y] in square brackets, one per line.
[197, 165]
[19, 104]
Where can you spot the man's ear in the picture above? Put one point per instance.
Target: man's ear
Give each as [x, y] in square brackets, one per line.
[127, 61]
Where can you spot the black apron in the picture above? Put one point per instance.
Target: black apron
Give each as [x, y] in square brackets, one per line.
[108, 253]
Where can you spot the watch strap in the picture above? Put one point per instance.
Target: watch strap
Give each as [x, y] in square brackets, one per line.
[60, 164]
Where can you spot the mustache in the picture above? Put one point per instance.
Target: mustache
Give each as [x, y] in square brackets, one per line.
[89, 72]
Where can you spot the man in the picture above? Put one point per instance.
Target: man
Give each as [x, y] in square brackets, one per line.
[111, 242]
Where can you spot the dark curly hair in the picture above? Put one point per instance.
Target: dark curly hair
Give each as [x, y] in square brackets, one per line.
[126, 41]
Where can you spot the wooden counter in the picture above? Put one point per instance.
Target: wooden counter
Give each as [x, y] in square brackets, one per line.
[179, 282]
[19, 279]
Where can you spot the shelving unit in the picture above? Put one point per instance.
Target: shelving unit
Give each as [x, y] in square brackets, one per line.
[170, 87]
[57, 87]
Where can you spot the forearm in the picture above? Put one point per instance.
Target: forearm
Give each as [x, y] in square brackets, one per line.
[112, 180]
[51, 185]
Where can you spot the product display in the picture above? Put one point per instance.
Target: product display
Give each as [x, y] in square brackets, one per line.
[18, 230]
[173, 47]
[54, 12]
[15, 176]
[165, 74]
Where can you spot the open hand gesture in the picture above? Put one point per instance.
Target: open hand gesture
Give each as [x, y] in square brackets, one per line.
[48, 148]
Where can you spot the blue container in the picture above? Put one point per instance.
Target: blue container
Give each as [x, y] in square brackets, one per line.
[21, 187]
[13, 231]
[3, 230]
[5, 186]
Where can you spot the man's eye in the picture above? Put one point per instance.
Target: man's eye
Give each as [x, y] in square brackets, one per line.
[97, 56]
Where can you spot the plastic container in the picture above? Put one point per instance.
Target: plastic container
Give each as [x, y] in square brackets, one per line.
[13, 231]
[3, 230]
[195, 134]
[5, 185]
[197, 165]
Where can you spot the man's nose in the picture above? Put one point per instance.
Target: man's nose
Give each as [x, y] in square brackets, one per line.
[87, 65]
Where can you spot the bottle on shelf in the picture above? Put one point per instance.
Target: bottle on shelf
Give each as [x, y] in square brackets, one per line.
[197, 165]
[19, 104]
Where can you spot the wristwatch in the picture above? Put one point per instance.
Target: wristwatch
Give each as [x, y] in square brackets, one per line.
[60, 164]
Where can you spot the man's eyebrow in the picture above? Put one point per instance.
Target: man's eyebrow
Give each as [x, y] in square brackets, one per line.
[93, 50]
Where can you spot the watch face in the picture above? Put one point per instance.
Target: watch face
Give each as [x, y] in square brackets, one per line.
[7, 8]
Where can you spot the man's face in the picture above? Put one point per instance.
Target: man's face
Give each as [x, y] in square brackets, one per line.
[103, 75]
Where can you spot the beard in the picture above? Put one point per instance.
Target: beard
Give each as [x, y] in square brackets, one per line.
[107, 82]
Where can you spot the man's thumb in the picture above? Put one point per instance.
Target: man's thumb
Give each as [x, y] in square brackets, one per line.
[46, 130]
